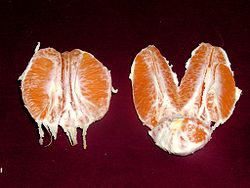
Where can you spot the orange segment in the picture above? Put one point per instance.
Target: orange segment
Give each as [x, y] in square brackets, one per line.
[226, 90]
[86, 92]
[224, 94]
[195, 73]
[95, 82]
[152, 83]
[143, 88]
[35, 87]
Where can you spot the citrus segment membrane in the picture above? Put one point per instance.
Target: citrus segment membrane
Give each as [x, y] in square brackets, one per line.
[72, 89]
[180, 116]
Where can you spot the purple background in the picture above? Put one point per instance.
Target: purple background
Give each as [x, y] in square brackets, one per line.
[120, 153]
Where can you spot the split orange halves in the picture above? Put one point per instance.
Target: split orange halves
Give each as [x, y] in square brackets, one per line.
[72, 89]
[179, 115]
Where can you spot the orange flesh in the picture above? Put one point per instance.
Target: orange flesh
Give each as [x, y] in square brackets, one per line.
[213, 111]
[195, 134]
[199, 135]
[144, 91]
[94, 82]
[150, 68]
[35, 87]
[71, 90]
[226, 95]
[196, 69]
[147, 77]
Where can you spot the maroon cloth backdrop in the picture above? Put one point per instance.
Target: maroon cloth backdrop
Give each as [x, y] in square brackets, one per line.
[120, 153]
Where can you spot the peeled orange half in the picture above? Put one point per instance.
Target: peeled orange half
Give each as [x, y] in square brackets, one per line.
[180, 116]
[70, 89]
